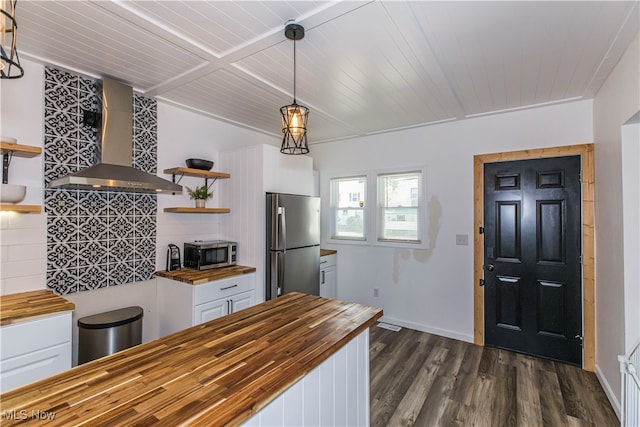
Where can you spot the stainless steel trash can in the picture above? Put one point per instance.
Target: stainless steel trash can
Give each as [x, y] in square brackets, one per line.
[106, 333]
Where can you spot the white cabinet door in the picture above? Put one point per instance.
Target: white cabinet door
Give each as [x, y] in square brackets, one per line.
[328, 276]
[181, 305]
[242, 301]
[323, 284]
[221, 307]
[211, 310]
[35, 365]
[330, 282]
[34, 349]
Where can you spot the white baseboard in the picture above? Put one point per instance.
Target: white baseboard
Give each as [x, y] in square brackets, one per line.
[608, 391]
[430, 329]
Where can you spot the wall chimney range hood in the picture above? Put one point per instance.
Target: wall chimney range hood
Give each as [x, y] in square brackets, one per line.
[114, 172]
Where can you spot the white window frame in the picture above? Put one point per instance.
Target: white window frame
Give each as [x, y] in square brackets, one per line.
[372, 212]
[333, 208]
[421, 242]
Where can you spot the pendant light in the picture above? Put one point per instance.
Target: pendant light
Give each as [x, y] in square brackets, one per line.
[10, 67]
[294, 116]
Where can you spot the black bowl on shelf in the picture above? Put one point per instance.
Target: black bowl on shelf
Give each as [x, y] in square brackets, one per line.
[201, 164]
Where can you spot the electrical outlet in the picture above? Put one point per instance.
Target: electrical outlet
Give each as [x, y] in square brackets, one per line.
[376, 292]
[462, 239]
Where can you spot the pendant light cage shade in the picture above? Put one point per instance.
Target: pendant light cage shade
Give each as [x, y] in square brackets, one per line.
[294, 116]
[10, 67]
[294, 129]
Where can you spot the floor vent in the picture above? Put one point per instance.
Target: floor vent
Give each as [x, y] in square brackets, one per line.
[389, 326]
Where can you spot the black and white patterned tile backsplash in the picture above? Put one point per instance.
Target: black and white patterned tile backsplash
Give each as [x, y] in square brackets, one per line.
[94, 238]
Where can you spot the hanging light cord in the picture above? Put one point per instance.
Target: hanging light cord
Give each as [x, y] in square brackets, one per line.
[294, 70]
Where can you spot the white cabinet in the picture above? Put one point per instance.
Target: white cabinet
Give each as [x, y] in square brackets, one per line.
[328, 276]
[34, 349]
[181, 305]
[221, 307]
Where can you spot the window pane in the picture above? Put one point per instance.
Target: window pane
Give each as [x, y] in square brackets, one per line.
[399, 206]
[400, 224]
[350, 223]
[348, 203]
[350, 192]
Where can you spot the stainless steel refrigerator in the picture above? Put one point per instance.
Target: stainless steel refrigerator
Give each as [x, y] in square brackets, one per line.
[293, 244]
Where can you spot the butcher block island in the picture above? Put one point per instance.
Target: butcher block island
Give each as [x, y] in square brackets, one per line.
[251, 367]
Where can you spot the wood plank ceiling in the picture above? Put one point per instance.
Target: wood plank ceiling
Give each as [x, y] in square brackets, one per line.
[364, 67]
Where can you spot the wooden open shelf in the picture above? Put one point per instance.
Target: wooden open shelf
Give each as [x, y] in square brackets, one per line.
[20, 208]
[197, 173]
[198, 210]
[20, 150]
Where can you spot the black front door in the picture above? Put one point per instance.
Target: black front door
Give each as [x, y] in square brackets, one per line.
[532, 266]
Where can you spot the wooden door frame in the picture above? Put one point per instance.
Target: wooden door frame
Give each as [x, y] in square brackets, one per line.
[585, 151]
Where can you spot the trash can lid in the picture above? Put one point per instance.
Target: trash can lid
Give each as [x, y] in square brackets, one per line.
[110, 319]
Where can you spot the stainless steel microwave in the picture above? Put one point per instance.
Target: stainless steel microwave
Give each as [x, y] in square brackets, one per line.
[206, 254]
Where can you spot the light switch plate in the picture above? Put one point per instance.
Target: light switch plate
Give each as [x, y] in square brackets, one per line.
[462, 239]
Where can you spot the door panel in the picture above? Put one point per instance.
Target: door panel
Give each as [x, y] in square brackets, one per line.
[532, 248]
[508, 311]
[551, 308]
[508, 230]
[551, 242]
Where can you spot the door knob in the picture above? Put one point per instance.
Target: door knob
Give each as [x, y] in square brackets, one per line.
[490, 267]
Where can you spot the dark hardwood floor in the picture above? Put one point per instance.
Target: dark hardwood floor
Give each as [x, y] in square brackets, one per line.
[419, 379]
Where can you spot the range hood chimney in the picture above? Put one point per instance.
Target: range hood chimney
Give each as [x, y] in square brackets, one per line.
[114, 172]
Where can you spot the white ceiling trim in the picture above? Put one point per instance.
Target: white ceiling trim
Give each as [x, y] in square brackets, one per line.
[625, 34]
[158, 28]
[55, 64]
[525, 107]
[432, 53]
[214, 116]
[259, 43]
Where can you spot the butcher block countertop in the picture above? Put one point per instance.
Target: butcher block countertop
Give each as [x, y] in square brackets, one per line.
[325, 252]
[198, 277]
[217, 373]
[27, 305]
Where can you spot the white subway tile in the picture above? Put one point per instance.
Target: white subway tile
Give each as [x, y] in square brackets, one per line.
[27, 236]
[23, 284]
[34, 221]
[24, 252]
[5, 220]
[22, 268]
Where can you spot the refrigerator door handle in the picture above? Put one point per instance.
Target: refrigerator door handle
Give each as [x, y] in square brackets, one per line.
[276, 281]
[282, 229]
[280, 273]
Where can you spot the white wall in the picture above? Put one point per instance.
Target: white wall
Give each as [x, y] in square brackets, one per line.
[631, 223]
[254, 171]
[616, 102]
[183, 135]
[21, 117]
[23, 238]
[432, 290]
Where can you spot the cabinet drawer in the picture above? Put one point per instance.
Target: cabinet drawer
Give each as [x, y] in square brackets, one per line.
[25, 337]
[34, 366]
[223, 288]
[327, 261]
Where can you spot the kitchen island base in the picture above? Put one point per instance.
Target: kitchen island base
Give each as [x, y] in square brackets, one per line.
[335, 393]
